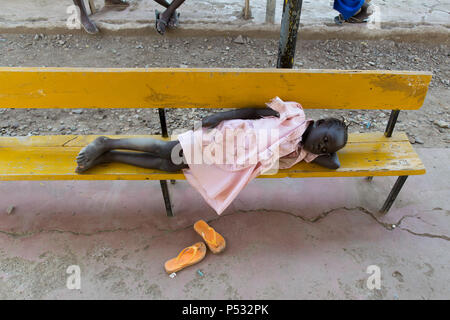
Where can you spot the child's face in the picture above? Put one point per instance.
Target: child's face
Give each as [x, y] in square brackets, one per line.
[324, 138]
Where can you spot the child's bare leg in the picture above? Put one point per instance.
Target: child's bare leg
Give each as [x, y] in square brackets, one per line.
[158, 148]
[140, 159]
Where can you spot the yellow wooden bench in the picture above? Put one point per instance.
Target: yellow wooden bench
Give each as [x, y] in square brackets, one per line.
[53, 157]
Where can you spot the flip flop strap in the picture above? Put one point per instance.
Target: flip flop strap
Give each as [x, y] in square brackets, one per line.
[357, 20]
[195, 248]
[214, 242]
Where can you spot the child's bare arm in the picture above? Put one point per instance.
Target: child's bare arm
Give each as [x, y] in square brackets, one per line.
[330, 161]
[244, 113]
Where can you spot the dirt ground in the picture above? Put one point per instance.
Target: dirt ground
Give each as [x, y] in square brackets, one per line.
[428, 127]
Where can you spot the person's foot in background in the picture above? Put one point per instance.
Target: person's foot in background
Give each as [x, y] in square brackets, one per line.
[169, 17]
[88, 25]
[360, 16]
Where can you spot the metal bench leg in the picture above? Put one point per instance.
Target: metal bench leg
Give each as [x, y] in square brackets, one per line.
[164, 189]
[391, 123]
[393, 195]
[165, 192]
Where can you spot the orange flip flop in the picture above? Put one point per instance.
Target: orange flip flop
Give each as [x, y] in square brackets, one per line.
[187, 257]
[216, 243]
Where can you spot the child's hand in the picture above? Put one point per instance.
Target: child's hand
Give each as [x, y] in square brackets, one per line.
[330, 161]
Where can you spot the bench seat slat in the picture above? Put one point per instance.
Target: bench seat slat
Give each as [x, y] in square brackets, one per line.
[81, 141]
[53, 158]
[210, 88]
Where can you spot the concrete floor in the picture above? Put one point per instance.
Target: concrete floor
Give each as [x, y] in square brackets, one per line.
[286, 239]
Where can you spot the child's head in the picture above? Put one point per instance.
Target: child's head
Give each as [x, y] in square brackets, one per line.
[326, 136]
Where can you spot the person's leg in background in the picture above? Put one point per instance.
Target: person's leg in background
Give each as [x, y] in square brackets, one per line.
[173, 20]
[163, 18]
[86, 22]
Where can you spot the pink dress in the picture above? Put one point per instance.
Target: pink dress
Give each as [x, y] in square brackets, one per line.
[222, 161]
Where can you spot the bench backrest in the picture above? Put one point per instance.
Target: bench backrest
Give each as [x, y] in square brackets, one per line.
[209, 88]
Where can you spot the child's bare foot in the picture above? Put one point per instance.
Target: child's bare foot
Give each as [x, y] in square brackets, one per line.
[88, 155]
[103, 158]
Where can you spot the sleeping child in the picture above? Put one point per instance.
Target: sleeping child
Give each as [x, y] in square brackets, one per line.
[230, 149]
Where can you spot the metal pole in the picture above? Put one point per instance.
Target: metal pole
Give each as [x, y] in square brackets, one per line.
[164, 188]
[247, 10]
[288, 34]
[270, 11]
[91, 6]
